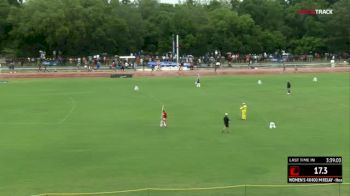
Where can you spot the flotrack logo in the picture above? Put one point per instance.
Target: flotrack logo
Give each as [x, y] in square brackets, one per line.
[316, 12]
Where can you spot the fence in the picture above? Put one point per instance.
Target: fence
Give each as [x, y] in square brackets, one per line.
[5, 68]
[107, 61]
[236, 190]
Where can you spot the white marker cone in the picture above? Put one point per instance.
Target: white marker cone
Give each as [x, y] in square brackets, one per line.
[272, 125]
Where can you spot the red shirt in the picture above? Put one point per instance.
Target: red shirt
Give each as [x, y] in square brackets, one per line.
[165, 115]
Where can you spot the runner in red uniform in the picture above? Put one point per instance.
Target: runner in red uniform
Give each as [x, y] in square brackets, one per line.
[164, 118]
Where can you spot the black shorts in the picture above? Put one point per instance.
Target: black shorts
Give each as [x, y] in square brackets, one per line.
[226, 125]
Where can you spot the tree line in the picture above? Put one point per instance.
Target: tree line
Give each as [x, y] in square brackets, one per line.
[86, 27]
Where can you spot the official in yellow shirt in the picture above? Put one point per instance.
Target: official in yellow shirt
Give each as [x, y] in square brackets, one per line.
[244, 110]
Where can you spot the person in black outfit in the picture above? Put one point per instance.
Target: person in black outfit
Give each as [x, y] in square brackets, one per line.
[288, 88]
[226, 124]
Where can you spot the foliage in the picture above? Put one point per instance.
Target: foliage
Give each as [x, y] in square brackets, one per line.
[87, 27]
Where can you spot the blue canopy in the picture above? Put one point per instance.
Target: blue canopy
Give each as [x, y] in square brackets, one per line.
[165, 64]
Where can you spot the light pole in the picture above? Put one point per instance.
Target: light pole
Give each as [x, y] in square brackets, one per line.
[177, 50]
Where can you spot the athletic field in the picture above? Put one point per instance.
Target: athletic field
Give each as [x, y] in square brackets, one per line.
[99, 135]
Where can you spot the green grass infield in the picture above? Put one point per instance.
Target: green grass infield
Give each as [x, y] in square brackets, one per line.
[87, 135]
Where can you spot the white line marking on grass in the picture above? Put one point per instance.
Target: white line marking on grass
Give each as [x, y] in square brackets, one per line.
[27, 123]
[191, 189]
[49, 94]
[74, 105]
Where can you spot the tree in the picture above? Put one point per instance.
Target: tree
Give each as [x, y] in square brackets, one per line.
[15, 2]
[268, 14]
[235, 4]
[308, 44]
[85, 27]
[135, 26]
[272, 41]
[4, 24]
[338, 38]
[73, 27]
[189, 23]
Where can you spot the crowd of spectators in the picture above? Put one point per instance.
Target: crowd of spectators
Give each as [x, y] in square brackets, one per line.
[115, 62]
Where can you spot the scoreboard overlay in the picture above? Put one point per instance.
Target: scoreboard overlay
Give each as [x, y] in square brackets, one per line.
[315, 169]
